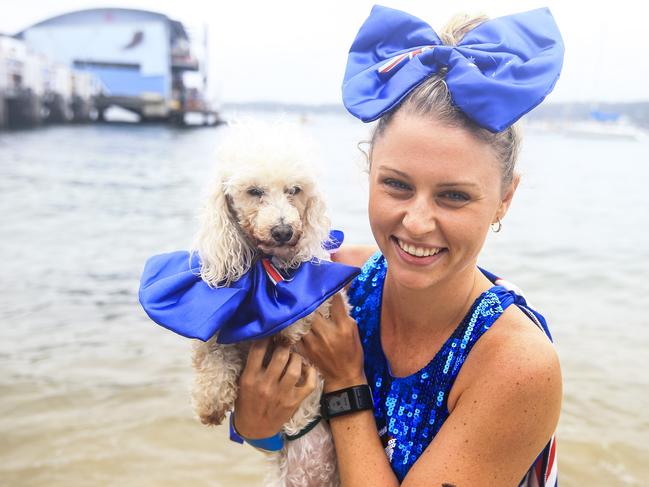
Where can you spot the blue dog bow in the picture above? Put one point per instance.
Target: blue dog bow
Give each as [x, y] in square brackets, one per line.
[498, 72]
[264, 301]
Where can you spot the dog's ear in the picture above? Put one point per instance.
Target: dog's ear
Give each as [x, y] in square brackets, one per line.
[225, 254]
[315, 229]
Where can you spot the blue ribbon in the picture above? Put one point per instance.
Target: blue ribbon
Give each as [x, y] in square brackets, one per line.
[497, 73]
[173, 295]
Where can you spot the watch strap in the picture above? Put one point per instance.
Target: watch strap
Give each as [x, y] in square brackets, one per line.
[346, 401]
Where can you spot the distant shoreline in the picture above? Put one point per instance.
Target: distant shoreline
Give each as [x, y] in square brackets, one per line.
[271, 106]
[636, 113]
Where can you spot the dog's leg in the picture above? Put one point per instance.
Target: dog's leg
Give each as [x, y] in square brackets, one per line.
[217, 368]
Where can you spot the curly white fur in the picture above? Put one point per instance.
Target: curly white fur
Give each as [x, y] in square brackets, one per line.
[263, 181]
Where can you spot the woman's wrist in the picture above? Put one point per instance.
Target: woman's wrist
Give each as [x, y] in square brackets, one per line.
[270, 443]
[251, 433]
[336, 384]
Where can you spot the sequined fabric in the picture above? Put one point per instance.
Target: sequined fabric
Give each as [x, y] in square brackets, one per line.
[409, 411]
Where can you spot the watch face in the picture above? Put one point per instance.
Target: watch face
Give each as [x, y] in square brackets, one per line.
[338, 403]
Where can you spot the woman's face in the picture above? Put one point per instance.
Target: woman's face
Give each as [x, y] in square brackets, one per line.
[434, 191]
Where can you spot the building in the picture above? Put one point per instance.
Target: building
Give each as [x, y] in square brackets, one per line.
[21, 84]
[141, 58]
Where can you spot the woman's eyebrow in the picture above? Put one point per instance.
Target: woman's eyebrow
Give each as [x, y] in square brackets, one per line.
[455, 184]
[396, 171]
[450, 184]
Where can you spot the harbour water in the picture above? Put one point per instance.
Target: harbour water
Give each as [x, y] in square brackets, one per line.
[93, 393]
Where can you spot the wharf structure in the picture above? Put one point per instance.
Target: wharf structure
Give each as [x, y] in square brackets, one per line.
[74, 66]
[34, 89]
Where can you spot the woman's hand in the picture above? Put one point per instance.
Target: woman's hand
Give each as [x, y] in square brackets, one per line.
[268, 396]
[334, 347]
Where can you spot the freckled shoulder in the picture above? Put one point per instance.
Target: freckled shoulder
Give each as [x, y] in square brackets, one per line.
[505, 407]
[355, 255]
[514, 349]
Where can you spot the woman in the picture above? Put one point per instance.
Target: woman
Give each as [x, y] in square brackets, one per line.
[452, 404]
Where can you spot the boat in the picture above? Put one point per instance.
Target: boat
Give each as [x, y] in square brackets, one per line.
[604, 125]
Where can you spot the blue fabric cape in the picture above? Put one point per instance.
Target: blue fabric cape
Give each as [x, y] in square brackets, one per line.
[173, 295]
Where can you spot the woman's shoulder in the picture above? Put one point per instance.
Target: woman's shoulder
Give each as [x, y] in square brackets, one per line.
[508, 408]
[515, 354]
[354, 255]
[517, 340]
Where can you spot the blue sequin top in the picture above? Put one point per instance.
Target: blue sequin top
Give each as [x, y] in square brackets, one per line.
[409, 411]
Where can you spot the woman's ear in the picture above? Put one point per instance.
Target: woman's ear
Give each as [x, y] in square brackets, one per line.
[508, 196]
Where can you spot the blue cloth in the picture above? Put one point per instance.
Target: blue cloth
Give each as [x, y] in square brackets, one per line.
[497, 73]
[173, 295]
[271, 443]
[409, 411]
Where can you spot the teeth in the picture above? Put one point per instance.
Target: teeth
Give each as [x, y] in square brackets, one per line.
[417, 251]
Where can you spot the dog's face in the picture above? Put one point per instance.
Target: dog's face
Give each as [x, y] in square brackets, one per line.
[263, 199]
[271, 210]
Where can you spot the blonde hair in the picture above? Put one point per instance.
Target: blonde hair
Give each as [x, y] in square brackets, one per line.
[433, 99]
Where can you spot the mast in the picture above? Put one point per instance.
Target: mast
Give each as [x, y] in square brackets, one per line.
[205, 58]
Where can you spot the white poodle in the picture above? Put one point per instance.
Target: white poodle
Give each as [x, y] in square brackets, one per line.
[264, 201]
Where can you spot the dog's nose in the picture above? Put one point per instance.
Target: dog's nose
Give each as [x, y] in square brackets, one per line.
[281, 233]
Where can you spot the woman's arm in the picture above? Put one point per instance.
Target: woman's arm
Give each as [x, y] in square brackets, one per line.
[361, 458]
[355, 255]
[501, 420]
[269, 395]
[335, 347]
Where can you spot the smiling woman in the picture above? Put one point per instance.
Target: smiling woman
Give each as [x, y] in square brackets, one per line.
[422, 306]
[466, 388]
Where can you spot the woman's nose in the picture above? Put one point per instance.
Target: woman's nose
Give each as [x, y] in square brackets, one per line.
[419, 219]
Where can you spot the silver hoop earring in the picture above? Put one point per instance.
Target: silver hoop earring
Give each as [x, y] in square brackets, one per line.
[496, 227]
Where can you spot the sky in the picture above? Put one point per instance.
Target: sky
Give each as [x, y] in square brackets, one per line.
[294, 51]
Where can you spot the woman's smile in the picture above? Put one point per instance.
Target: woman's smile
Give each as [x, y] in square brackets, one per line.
[417, 254]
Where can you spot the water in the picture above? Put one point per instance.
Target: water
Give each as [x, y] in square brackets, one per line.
[93, 393]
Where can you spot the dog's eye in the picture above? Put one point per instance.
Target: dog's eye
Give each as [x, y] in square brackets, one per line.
[254, 191]
[294, 190]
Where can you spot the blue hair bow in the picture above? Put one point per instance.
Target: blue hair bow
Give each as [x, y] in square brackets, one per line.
[497, 73]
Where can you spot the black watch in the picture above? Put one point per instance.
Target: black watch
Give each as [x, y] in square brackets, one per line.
[345, 401]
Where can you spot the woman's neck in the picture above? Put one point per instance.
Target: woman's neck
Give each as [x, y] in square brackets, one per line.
[431, 311]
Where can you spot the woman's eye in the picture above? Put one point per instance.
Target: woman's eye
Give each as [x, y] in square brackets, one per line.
[254, 191]
[396, 184]
[294, 190]
[456, 196]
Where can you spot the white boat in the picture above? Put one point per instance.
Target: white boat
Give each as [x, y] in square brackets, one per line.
[593, 129]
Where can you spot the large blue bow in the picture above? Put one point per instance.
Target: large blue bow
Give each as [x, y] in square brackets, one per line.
[261, 303]
[497, 73]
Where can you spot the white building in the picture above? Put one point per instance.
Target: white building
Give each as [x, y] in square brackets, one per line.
[21, 83]
[138, 56]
